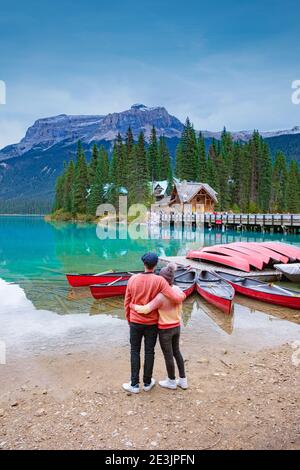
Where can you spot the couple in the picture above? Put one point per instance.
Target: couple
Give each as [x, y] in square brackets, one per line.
[153, 306]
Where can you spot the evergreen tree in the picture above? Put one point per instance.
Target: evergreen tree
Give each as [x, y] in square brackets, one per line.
[293, 189]
[178, 161]
[189, 153]
[96, 194]
[81, 182]
[153, 157]
[104, 164]
[212, 175]
[165, 160]
[117, 170]
[129, 142]
[68, 188]
[264, 178]
[202, 168]
[139, 187]
[93, 163]
[59, 193]
[278, 187]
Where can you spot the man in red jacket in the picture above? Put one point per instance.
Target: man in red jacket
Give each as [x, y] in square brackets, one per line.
[141, 289]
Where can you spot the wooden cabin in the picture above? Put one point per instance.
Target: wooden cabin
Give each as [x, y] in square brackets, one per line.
[193, 194]
[159, 190]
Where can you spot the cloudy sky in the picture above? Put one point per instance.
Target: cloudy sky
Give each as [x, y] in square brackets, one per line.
[220, 63]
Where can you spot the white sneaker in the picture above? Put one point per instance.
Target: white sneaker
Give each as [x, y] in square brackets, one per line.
[168, 383]
[182, 383]
[129, 388]
[147, 388]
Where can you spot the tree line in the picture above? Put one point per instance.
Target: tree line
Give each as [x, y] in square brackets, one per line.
[131, 168]
[242, 173]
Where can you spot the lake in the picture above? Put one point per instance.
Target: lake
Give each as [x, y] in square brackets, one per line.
[35, 255]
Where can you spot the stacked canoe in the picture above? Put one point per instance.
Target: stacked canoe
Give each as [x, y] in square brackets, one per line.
[245, 256]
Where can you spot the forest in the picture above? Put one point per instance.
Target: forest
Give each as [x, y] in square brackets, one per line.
[244, 174]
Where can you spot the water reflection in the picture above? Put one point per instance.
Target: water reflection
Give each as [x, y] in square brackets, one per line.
[51, 320]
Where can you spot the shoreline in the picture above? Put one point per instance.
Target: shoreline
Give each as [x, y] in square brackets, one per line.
[73, 400]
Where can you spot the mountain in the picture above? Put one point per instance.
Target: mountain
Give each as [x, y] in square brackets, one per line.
[67, 130]
[28, 169]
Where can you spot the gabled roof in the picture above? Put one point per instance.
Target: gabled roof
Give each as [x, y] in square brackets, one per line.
[160, 184]
[188, 189]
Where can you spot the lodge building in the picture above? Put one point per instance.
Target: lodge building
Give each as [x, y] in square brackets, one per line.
[186, 193]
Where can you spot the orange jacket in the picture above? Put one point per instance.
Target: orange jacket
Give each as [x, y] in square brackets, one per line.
[141, 289]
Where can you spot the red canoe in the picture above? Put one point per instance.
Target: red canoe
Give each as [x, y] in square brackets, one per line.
[215, 290]
[263, 250]
[231, 261]
[253, 259]
[83, 280]
[185, 279]
[287, 250]
[262, 291]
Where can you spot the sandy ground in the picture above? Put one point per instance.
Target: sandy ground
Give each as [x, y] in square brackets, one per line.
[73, 400]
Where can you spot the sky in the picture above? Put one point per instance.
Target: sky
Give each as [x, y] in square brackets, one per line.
[220, 63]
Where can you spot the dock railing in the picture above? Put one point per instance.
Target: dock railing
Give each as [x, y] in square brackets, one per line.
[211, 219]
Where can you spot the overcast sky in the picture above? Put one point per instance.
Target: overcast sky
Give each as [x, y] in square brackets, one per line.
[220, 63]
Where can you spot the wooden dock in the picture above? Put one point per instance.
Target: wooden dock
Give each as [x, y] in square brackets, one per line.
[267, 275]
[259, 222]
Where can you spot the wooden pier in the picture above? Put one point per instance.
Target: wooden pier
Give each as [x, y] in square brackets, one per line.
[267, 275]
[258, 222]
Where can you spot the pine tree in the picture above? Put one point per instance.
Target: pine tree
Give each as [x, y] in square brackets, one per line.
[293, 190]
[59, 193]
[81, 182]
[153, 157]
[68, 188]
[129, 142]
[165, 160]
[212, 175]
[189, 153]
[278, 187]
[117, 170]
[255, 153]
[202, 168]
[93, 163]
[138, 187]
[96, 194]
[264, 178]
[104, 164]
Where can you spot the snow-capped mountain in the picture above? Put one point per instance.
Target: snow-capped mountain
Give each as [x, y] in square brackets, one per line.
[66, 129]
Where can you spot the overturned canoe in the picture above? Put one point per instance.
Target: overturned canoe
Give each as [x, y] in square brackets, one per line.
[263, 291]
[254, 259]
[290, 271]
[287, 250]
[231, 261]
[271, 255]
[215, 290]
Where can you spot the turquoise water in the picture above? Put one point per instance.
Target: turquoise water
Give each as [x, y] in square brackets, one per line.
[35, 255]
[31, 248]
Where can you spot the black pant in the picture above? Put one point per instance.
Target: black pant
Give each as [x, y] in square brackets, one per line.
[137, 332]
[169, 342]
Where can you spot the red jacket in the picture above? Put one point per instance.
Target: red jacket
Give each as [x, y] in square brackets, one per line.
[141, 289]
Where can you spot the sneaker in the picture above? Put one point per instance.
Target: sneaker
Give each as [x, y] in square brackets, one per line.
[168, 383]
[147, 388]
[182, 383]
[129, 388]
